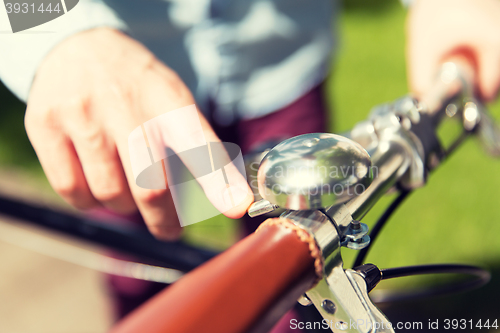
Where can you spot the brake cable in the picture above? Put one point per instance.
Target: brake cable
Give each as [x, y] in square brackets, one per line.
[360, 258]
[373, 276]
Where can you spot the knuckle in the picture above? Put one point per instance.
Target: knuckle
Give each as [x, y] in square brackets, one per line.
[122, 89]
[74, 194]
[77, 110]
[68, 189]
[110, 193]
[39, 117]
[94, 137]
[77, 102]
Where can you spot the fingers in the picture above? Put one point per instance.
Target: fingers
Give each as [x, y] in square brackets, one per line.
[156, 205]
[419, 62]
[98, 156]
[231, 195]
[58, 158]
[439, 29]
[158, 210]
[82, 155]
[426, 45]
[181, 127]
[191, 137]
[82, 144]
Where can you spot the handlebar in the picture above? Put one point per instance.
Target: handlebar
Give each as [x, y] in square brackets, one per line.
[248, 288]
[251, 285]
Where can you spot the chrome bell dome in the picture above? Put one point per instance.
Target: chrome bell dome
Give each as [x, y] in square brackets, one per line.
[314, 171]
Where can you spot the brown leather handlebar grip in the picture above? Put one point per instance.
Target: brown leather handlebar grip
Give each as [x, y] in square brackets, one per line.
[247, 288]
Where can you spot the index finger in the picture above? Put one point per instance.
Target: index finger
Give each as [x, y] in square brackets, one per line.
[182, 140]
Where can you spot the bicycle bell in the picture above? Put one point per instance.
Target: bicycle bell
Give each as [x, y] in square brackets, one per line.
[314, 171]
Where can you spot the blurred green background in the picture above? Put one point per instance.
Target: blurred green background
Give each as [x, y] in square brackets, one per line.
[454, 219]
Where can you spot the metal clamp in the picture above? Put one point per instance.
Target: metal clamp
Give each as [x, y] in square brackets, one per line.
[356, 236]
[341, 296]
[392, 122]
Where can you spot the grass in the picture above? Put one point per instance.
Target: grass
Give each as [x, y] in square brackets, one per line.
[460, 200]
[454, 219]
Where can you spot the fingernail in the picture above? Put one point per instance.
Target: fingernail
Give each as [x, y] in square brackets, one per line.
[234, 195]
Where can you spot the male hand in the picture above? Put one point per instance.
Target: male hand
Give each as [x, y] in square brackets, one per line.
[439, 29]
[89, 94]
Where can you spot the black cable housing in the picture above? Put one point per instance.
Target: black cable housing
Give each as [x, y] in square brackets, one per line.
[482, 277]
[360, 258]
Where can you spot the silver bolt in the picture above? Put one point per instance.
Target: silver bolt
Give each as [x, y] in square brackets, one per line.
[261, 207]
[328, 306]
[355, 225]
[304, 300]
[341, 325]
